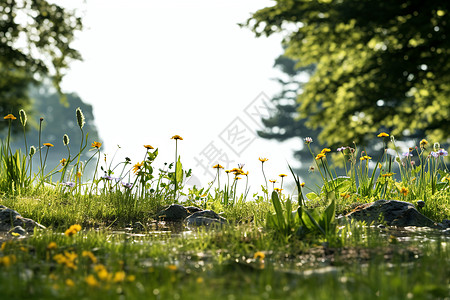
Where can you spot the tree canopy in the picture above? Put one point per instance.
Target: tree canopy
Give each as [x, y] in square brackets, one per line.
[35, 38]
[380, 65]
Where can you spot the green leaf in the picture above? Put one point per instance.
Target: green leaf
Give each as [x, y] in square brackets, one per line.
[278, 210]
[312, 196]
[179, 174]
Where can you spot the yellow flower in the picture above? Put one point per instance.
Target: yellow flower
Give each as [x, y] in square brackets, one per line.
[259, 255]
[8, 260]
[73, 229]
[263, 159]
[302, 184]
[282, 175]
[200, 280]
[70, 282]
[103, 275]
[217, 167]
[325, 150]
[90, 255]
[277, 189]
[272, 180]
[119, 276]
[176, 137]
[387, 175]
[172, 267]
[137, 167]
[96, 145]
[383, 134]
[9, 117]
[79, 174]
[365, 157]
[63, 162]
[320, 156]
[131, 278]
[48, 144]
[423, 143]
[91, 281]
[404, 190]
[148, 147]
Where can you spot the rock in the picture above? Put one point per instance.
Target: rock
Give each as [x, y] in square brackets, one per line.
[392, 213]
[445, 224]
[19, 230]
[193, 209]
[420, 203]
[205, 218]
[174, 213]
[10, 218]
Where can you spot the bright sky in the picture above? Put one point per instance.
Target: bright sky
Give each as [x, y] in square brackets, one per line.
[153, 69]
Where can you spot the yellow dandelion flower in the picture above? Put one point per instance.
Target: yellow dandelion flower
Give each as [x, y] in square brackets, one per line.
[302, 184]
[119, 276]
[137, 167]
[263, 159]
[282, 175]
[200, 280]
[70, 282]
[131, 278]
[92, 281]
[325, 150]
[48, 144]
[277, 189]
[423, 143]
[320, 156]
[90, 255]
[383, 134]
[404, 191]
[148, 147]
[63, 162]
[9, 117]
[387, 175]
[104, 275]
[217, 167]
[96, 145]
[259, 255]
[172, 267]
[365, 157]
[176, 137]
[272, 180]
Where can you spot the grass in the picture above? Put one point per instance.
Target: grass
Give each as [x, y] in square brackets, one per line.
[273, 248]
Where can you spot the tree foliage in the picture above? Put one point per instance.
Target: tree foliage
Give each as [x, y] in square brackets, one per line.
[380, 65]
[35, 38]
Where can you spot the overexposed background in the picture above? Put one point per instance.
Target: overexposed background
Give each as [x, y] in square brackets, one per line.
[153, 69]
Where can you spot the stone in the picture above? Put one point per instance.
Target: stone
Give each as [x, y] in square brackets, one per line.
[10, 218]
[391, 213]
[205, 218]
[193, 209]
[19, 230]
[174, 213]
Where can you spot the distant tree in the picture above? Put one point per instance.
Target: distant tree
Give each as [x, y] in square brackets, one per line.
[380, 65]
[35, 39]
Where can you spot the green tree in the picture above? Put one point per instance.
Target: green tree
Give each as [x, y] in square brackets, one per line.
[35, 38]
[380, 65]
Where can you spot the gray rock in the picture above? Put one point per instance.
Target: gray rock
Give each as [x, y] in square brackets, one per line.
[10, 218]
[205, 218]
[392, 213]
[445, 224]
[193, 209]
[19, 230]
[174, 213]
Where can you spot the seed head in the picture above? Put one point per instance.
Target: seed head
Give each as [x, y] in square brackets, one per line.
[23, 117]
[66, 140]
[80, 118]
[32, 150]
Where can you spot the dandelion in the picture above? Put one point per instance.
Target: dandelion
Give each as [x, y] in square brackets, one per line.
[383, 134]
[119, 276]
[423, 143]
[80, 118]
[91, 281]
[172, 267]
[308, 140]
[90, 255]
[259, 255]
[387, 175]
[70, 282]
[277, 190]
[320, 156]
[63, 162]
[325, 150]
[9, 117]
[96, 145]
[404, 191]
[200, 280]
[302, 184]
[263, 160]
[282, 175]
[52, 246]
[48, 144]
[73, 229]
[137, 167]
[217, 167]
[176, 137]
[148, 147]
[365, 157]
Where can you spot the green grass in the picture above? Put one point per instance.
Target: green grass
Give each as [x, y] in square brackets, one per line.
[269, 250]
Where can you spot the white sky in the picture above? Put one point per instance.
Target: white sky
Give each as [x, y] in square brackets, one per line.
[153, 69]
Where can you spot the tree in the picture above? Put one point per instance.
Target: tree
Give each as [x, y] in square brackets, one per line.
[35, 38]
[380, 66]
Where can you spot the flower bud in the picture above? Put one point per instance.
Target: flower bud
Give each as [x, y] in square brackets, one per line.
[80, 118]
[66, 140]
[23, 117]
